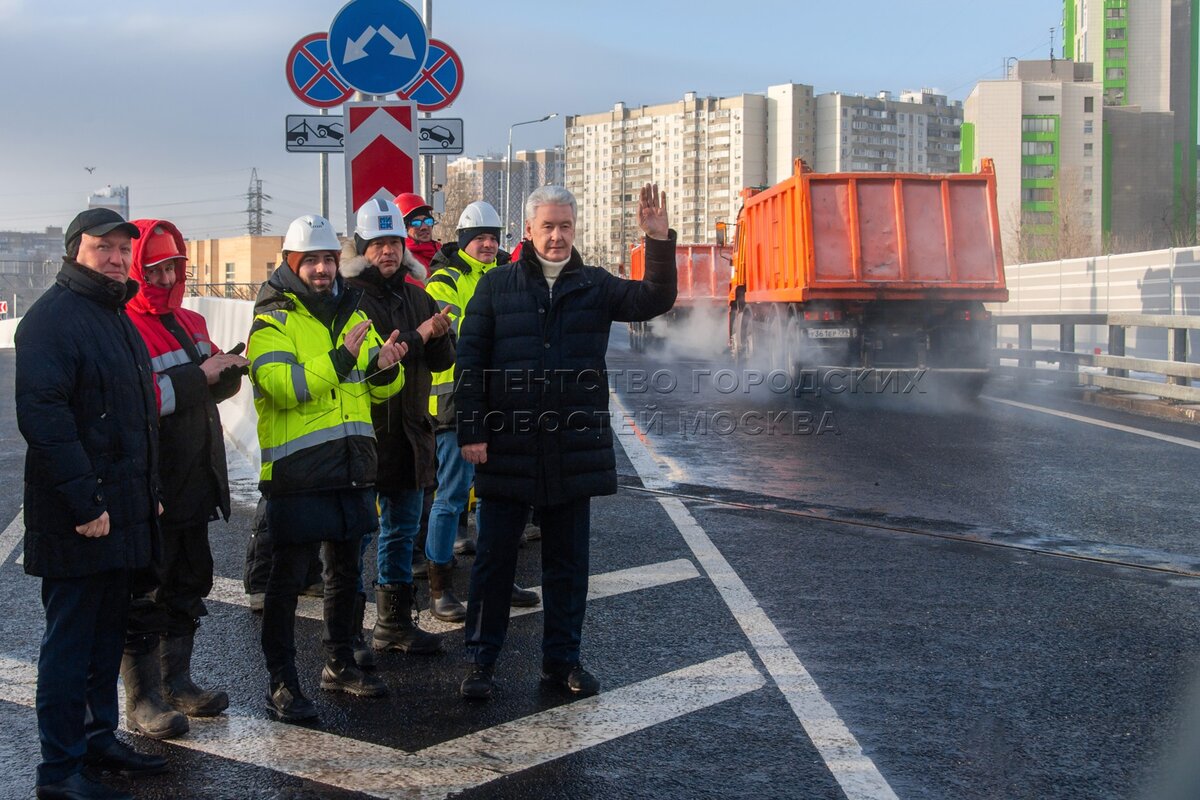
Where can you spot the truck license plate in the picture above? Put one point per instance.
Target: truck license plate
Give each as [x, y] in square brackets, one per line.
[830, 333]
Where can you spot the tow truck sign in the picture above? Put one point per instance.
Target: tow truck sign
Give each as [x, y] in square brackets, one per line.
[314, 133]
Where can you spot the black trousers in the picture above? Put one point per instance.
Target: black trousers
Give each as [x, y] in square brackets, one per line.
[258, 555]
[289, 576]
[78, 666]
[170, 601]
[566, 529]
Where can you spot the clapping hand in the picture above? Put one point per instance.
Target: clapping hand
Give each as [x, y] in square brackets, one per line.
[392, 351]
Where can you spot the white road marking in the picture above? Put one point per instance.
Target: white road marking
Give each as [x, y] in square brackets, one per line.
[451, 767]
[609, 584]
[843, 756]
[13, 535]
[649, 468]
[853, 771]
[1162, 437]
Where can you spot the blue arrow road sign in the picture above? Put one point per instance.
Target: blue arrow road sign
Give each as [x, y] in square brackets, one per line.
[377, 46]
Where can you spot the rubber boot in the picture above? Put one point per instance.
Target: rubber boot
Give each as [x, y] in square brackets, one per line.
[464, 536]
[145, 710]
[179, 691]
[362, 653]
[442, 602]
[396, 630]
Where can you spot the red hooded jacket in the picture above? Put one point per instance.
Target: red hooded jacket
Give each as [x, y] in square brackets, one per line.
[193, 471]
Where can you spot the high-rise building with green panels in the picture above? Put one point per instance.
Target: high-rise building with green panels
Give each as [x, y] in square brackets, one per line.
[1145, 55]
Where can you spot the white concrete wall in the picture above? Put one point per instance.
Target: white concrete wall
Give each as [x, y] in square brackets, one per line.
[228, 323]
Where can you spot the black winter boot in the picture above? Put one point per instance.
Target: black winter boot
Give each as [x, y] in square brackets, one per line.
[178, 689]
[395, 628]
[145, 710]
[362, 653]
[442, 602]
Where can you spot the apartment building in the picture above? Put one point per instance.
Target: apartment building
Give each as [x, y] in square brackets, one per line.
[705, 150]
[471, 179]
[232, 267]
[1042, 129]
[1145, 56]
[917, 132]
[701, 150]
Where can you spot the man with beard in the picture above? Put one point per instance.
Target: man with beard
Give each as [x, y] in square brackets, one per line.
[317, 365]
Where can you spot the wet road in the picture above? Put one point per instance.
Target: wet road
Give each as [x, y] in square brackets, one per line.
[927, 599]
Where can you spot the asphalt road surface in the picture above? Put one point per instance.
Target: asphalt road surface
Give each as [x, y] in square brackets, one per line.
[862, 595]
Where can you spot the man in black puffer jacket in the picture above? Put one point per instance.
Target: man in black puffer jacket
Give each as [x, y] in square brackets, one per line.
[86, 406]
[533, 417]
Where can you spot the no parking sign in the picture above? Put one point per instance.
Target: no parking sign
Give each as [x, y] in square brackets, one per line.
[439, 81]
[311, 75]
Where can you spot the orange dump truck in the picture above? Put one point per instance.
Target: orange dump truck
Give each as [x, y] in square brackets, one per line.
[865, 271]
[703, 282]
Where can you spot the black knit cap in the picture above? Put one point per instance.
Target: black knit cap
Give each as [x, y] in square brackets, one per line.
[465, 235]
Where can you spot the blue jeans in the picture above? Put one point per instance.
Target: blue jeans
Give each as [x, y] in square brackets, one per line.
[455, 476]
[566, 530]
[398, 523]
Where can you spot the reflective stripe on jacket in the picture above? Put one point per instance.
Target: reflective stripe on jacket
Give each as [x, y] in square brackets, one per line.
[314, 426]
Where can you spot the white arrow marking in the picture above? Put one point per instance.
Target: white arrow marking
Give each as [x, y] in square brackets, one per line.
[401, 47]
[356, 49]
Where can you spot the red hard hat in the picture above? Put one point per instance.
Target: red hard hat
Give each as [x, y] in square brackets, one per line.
[160, 246]
[408, 202]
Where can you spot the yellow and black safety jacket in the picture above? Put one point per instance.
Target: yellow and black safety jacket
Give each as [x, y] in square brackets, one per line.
[452, 284]
[312, 396]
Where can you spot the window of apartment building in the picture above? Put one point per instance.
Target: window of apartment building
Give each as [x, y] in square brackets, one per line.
[1115, 54]
[1087, 150]
[1037, 218]
[1114, 13]
[1087, 174]
[1087, 126]
[1087, 195]
[1044, 195]
[1046, 98]
[1114, 74]
[1038, 124]
[1035, 172]
[1037, 148]
[1087, 105]
[1114, 34]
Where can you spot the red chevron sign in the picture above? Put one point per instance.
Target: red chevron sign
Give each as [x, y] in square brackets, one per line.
[381, 152]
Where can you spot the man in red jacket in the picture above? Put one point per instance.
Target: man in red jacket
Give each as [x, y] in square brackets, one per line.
[191, 376]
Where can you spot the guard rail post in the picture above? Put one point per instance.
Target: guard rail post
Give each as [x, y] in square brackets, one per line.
[1177, 343]
[1116, 347]
[1025, 343]
[1066, 344]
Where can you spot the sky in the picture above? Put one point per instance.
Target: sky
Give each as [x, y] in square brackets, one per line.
[179, 101]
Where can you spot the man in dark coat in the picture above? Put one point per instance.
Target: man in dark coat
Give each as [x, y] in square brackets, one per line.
[86, 407]
[533, 417]
[381, 267]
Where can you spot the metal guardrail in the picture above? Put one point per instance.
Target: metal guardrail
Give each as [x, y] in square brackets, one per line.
[1178, 373]
[232, 291]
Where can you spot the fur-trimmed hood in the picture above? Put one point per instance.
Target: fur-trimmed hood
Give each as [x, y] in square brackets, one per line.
[353, 264]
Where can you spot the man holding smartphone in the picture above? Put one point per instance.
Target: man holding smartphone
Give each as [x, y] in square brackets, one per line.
[191, 376]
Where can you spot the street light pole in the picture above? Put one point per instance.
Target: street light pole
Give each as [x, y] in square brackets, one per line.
[508, 166]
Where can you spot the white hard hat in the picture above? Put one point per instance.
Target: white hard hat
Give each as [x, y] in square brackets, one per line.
[479, 214]
[377, 218]
[310, 232]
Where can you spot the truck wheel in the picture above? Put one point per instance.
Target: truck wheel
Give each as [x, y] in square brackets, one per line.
[743, 337]
[792, 347]
[775, 346]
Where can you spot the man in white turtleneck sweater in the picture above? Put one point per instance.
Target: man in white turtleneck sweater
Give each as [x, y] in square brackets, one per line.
[532, 412]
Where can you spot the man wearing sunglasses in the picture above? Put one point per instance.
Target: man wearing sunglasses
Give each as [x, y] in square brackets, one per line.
[419, 222]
